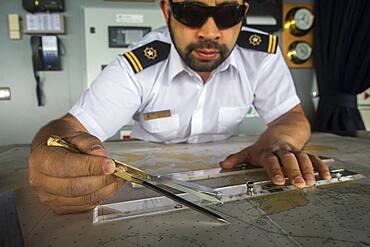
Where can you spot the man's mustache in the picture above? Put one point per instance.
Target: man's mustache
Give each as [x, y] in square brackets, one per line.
[209, 44]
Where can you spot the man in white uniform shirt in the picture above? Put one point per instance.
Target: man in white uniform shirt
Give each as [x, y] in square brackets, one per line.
[192, 81]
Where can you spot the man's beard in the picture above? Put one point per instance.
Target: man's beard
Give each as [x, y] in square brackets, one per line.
[196, 64]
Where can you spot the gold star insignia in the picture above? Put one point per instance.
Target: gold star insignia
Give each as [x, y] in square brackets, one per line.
[255, 39]
[150, 53]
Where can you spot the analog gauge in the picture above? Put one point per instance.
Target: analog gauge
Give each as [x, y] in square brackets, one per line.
[303, 19]
[299, 52]
[299, 21]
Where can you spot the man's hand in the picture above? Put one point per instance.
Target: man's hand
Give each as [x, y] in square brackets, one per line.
[72, 182]
[279, 151]
[297, 165]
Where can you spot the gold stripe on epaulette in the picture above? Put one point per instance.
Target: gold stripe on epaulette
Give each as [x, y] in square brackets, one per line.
[272, 44]
[273, 50]
[136, 60]
[127, 55]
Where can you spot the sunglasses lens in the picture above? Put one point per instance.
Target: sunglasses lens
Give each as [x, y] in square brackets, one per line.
[191, 15]
[194, 15]
[228, 16]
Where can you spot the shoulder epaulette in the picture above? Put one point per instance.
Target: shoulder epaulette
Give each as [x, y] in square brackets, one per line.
[147, 55]
[258, 41]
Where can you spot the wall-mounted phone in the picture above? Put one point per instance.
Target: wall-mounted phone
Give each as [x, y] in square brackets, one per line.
[45, 57]
[45, 53]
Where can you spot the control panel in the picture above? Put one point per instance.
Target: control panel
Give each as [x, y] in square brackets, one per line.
[109, 32]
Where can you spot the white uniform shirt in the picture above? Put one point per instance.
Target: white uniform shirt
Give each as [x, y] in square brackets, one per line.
[199, 112]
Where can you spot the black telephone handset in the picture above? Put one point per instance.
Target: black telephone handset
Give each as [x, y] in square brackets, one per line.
[45, 57]
[36, 53]
[45, 53]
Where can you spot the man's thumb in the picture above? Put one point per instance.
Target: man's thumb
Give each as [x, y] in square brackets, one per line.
[232, 160]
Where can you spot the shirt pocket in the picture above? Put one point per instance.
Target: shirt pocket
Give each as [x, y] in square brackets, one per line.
[163, 128]
[230, 118]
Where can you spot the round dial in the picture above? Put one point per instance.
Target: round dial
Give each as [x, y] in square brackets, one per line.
[299, 21]
[299, 52]
[303, 19]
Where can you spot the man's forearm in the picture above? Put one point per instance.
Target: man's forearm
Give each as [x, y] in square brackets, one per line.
[291, 129]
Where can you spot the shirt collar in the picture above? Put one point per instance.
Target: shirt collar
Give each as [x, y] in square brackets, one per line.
[229, 62]
[176, 65]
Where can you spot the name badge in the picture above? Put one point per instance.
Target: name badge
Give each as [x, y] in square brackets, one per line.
[157, 114]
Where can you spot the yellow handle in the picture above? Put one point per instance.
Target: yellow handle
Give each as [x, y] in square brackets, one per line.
[120, 172]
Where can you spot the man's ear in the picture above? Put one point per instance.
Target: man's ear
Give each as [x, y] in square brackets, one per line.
[165, 7]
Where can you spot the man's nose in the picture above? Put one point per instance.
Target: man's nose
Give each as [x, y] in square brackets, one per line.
[209, 30]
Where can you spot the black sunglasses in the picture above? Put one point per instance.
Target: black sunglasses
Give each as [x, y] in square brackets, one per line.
[194, 14]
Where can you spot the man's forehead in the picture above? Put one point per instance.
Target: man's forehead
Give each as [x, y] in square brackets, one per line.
[210, 2]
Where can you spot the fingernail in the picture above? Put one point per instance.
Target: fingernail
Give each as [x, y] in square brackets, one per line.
[327, 175]
[299, 180]
[310, 179]
[226, 164]
[109, 166]
[279, 179]
[96, 147]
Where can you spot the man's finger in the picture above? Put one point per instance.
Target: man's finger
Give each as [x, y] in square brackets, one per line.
[33, 173]
[289, 162]
[89, 199]
[71, 187]
[306, 167]
[272, 166]
[62, 163]
[320, 166]
[87, 143]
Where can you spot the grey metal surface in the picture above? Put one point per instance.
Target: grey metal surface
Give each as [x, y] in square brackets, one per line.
[332, 215]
